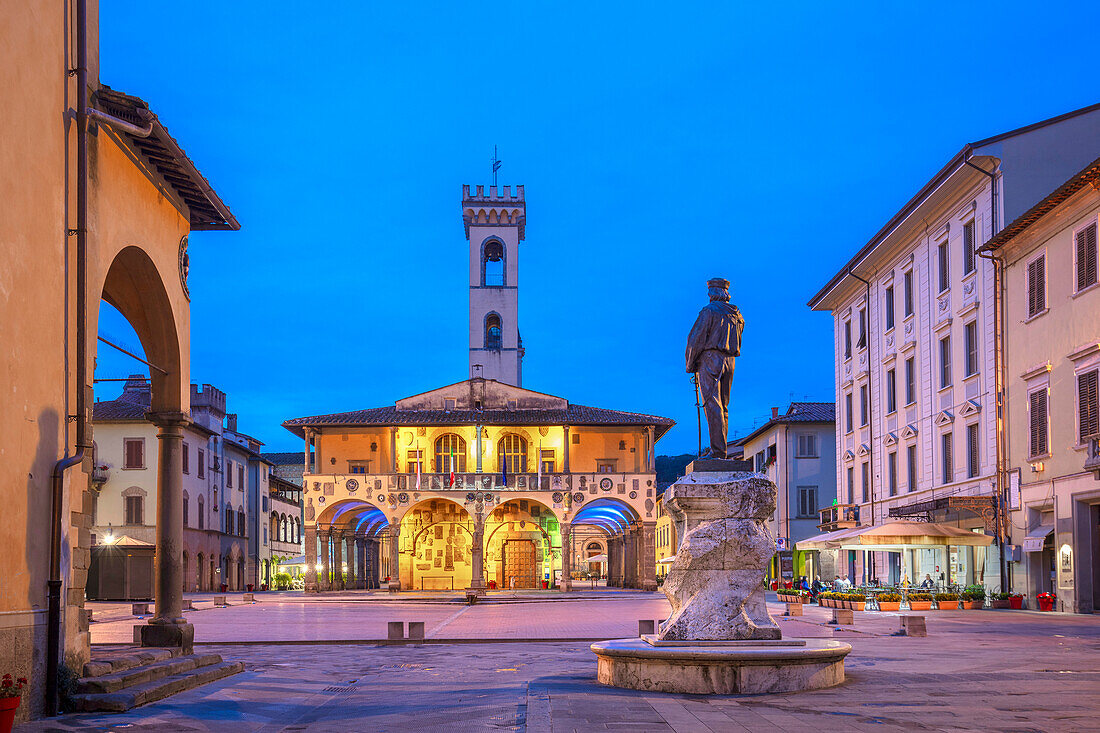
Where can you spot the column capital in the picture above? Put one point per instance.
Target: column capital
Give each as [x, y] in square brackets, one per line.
[168, 419]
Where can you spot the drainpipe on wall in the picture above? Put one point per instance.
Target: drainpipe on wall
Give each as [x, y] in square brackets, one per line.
[998, 372]
[870, 415]
[57, 477]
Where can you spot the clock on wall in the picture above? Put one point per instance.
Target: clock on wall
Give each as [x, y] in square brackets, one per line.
[606, 484]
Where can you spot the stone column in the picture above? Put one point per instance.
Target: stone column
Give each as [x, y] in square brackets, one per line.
[647, 556]
[324, 580]
[566, 557]
[477, 551]
[394, 533]
[630, 557]
[305, 458]
[614, 579]
[337, 560]
[374, 564]
[349, 540]
[311, 558]
[168, 627]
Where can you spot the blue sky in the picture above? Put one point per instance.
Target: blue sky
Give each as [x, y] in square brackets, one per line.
[660, 144]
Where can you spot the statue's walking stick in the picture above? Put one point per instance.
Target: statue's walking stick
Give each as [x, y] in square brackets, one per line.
[698, 409]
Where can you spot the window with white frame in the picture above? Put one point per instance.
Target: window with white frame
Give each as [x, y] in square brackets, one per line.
[889, 307]
[865, 481]
[849, 423]
[907, 293]
[864, 408]
[891, 391]
[970, 337]
[1088, 409]
[851, 485]
[910, 381]
[1038, 423]
[947, 460]
[847, 339]
[945, 362]
[944, 266]
[892, 473]
[973, 451]
[911, 466]
[1085, 251]
[969, 262]
[1036, 286]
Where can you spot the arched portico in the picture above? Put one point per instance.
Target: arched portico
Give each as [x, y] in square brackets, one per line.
[436, 537]
[630, 542]
[155, 306]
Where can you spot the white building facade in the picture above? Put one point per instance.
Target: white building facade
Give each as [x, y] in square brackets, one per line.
[916, 429]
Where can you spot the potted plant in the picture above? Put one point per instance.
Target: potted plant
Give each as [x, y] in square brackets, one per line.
[1016, 601]
[11, 693]
[920, 601]
[947, 601]
[857, 601]
[1046, 601]
[1000, 600]
[889, 601]
[973, 597]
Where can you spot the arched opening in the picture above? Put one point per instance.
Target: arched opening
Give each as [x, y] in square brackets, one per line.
[615, 519]
[492, 263]
[494, 336]
[450, 454]
[520, 537]
[512, 453]
[200, 575]
[436, 537]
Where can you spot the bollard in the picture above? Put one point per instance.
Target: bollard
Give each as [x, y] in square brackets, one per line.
[794, 609]
[842, 616]
[139, 609]
[646, 627]
[137, 633]
[471, 597]
[416, 630]
[396, 630]
[187, 606]
[913, 626]
[249, 598]
[220, 601]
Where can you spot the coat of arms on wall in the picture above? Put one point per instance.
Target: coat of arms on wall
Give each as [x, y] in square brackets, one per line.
[185, 266]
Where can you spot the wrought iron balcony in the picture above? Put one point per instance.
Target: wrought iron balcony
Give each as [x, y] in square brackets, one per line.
[100, 475]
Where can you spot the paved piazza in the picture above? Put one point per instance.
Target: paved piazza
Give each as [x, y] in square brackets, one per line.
[976, 670]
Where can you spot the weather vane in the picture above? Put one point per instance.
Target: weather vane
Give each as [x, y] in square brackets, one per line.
[496, 165]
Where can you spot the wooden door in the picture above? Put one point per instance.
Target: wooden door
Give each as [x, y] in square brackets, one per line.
[519, 563]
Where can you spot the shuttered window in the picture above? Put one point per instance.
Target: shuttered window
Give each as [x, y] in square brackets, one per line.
[908, 293]
[865, 481]
[911, 457]
[864, 408]
[228, 474]
[186, 457]
[848, 422]
[201, 463]
[135, 510]
[134, 449]
[948, 459]
[1088, 409]
[945, 274]
[807, 446]
[186, 520]
[1037, 406]
[240, 475]
[847, 339]
[970, 331]
[968, 248]
[892, 473]
[1036, 286]
[1086, 257]
[973, 451]
[851, 486]
[910, 381]
[945, 362]
[889, 307]
[891, 391]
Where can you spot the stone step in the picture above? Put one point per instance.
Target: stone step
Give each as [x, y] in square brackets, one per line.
[145, 673]
[111, 662]
[147, 692]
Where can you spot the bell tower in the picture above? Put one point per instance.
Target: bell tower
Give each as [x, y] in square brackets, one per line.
[494, 228]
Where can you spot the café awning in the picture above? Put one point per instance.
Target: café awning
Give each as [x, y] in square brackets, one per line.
[1037, 537]
[897, 534]
[596, 558]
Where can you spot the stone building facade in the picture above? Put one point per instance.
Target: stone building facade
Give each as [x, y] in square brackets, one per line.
[916, 432]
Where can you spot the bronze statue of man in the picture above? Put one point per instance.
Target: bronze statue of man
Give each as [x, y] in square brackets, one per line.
[714, 341]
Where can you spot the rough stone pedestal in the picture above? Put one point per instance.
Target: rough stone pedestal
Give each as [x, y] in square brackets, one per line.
[716, 583]
[720, 638]
[180, 636]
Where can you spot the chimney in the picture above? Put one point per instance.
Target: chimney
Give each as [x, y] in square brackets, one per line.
[775, 413]
[231, 422]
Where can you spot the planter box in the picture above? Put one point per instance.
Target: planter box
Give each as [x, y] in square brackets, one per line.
[1016, 603]
[920, 605]
[973, 605]
[857, 605]
[1045, 605]
[889, 605]
[947, 605]
[1000, 603]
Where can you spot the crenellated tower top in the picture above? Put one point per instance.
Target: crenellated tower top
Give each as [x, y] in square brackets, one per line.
[501, 207]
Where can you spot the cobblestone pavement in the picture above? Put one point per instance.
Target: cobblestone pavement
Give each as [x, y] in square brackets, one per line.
[977, 670]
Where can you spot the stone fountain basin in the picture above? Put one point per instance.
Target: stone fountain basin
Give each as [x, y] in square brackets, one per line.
[728, 668]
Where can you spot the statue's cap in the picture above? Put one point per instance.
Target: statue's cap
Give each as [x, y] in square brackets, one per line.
[718, 282]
